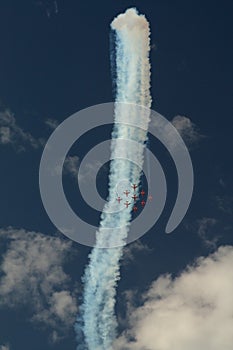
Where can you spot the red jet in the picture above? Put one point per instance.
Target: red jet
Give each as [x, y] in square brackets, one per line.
[135, 197]
[143, 203]
[135, 208]
[127, 204]
[119, 199]
[142, 192]
[134, 186]
[126, 193]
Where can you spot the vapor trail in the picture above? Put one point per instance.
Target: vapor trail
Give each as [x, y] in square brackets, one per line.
[98, 322]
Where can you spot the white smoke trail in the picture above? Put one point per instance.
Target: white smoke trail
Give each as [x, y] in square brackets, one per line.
[98, 322]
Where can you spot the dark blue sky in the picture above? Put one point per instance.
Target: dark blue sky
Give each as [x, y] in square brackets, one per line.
[54, 64]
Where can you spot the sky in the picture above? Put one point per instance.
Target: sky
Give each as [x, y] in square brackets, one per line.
[175, 290]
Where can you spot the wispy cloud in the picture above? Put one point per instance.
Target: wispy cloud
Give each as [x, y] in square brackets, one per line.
[131, 251]
[192, 311]
[207, 228]
[33, 274]
[12, 134]
[89, 170]
[188, 130]
[4, 347]
[52, 123]
[225, 203]
[206, 231]
[71, 166]
[50, 8]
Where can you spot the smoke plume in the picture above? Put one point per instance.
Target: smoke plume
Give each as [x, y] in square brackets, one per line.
[132, 83]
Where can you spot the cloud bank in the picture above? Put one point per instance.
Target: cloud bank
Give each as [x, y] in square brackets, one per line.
[33, 277]
[192, 311]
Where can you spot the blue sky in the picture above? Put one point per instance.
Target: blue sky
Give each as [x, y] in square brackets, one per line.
[55, 61]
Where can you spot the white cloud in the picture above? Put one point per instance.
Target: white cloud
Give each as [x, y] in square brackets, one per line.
[64, 306]
[33, 275]
[11, 133]
[192, 311]
[187, 129]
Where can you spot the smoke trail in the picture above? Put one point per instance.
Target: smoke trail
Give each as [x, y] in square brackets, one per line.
[148, 162]
[98, 322]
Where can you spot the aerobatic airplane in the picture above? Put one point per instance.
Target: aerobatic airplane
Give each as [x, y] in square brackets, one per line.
[142, 192]
[143, 203]
[127, 204]
[135, 197]
[135, 208]
[134, 186]
[126, 193]
[119, 199]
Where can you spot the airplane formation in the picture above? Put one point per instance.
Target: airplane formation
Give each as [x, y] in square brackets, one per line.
[134, 197]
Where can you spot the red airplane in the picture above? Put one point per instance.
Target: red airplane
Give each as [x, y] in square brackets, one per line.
[127, 204]
[126, 193]
[135, 197]
[119, 199]
[142, 192]
[135, 208]
[143, 203]
[134, 186]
